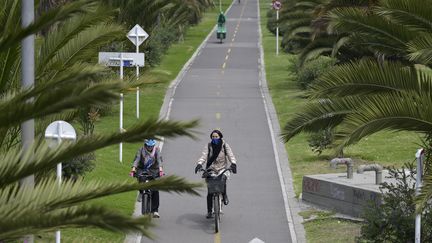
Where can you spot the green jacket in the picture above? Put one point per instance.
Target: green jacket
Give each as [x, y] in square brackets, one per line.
[221, 18]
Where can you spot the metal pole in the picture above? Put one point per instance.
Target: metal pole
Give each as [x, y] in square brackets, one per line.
[137, 75]
[277, 32]
[59, 174]
[121, 108]
[220, 6]
[419, 156]
[27, 69]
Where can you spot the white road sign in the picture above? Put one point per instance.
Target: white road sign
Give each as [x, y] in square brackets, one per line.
[57, 131]
[276, 5]
[130, 59]
[137, 35]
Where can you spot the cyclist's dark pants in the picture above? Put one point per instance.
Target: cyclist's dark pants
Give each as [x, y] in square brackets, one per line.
[155, 201]
[210, 200]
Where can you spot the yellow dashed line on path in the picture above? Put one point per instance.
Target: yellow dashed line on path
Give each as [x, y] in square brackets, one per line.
[232, 40]
[217, 238]
[218, 116]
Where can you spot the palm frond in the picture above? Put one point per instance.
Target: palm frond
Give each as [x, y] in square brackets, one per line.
[420, 49]
[18, 165]
[319, 46]
[69, 31]
[425, 196]
[412, 112]
[56, 100]
[369, 77]
[45, 20]
[376, 28]
[319, 114]
[74, 217]
[412, 13]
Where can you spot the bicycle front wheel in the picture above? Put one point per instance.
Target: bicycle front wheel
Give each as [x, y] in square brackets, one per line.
[217, 209]
[145, 204]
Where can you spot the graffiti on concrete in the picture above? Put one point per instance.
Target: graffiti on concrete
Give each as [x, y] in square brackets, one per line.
[311, 185]
[365, 197]
[336, 192]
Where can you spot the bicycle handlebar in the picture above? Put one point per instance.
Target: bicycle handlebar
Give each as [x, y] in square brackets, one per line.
[206, 172]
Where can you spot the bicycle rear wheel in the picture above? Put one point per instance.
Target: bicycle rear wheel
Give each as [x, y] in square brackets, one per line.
[145, 204]
[216, 208]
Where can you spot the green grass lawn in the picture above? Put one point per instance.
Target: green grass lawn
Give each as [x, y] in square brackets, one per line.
[385, 148]
[108, 166]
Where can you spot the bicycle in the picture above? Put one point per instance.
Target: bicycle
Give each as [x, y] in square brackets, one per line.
[221, 32]
[146, 195]
[216, 185]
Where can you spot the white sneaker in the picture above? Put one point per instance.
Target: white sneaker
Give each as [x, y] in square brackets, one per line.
[156, 215]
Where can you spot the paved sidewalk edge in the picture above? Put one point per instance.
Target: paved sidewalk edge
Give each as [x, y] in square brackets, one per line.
[165, 113]
[291, 202]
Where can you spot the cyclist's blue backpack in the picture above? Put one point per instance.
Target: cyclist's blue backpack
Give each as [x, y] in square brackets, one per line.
[152, 158]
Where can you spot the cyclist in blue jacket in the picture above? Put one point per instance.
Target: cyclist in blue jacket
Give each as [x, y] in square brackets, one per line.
[149, 159]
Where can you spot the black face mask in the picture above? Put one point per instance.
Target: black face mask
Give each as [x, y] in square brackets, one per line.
[216, 141]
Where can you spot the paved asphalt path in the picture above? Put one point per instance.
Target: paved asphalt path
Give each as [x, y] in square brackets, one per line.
[221, 88]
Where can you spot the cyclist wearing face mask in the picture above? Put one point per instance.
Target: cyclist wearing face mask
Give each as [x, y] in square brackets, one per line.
[217, 156]
[149, 159]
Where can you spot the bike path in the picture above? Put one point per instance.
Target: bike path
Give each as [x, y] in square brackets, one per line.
[222, 88]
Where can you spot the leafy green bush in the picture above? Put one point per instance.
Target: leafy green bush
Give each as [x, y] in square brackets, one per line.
[159, 43]
[321, 140]
[311, 70]
[78, 166]
[394, 219]
[271, 21]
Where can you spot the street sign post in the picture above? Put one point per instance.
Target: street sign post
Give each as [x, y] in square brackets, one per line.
[55, 133]
[137, 35]
[121, 59]
[276, 5]
[130, 59]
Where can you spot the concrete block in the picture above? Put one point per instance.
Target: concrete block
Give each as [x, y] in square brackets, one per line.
[340, 194]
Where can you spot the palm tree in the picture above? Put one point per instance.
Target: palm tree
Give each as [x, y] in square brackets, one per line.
[305, 30]
[380, 33]
[48, 206]
[390, 92]
[70, 47]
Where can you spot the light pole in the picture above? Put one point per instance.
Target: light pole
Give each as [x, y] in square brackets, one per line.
[27, 81]
[55, 133]
[418, 185]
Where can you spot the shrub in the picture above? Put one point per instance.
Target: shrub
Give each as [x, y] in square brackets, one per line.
[159, 43]
[78, 166]
[321, 140]
[271, 21]
[311, 70]
[394, 219]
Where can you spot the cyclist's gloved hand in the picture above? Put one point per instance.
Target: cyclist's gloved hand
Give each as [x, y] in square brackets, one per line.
[233, 168]
[132, 172]
[198, 168]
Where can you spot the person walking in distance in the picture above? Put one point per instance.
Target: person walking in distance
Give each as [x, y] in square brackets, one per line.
[149, 159]
[217, 156]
